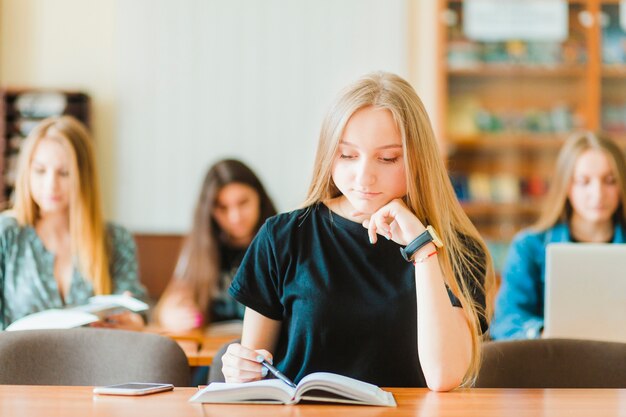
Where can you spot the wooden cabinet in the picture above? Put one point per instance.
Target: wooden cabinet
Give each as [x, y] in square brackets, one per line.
[508, 105]
[20, 111]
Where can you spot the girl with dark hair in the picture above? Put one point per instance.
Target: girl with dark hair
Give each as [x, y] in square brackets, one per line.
[232, 206]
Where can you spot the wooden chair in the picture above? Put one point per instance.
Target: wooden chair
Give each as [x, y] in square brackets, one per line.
[157, 256]
[90, 357]
[553, 363]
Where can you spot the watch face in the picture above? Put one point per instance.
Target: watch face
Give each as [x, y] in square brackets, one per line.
[436, 240]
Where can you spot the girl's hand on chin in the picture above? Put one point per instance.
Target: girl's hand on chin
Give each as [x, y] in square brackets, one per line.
[393, 221]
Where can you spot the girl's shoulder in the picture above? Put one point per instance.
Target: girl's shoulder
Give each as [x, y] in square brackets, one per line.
[291, 227]
[533, 239]
[8, 220]
[529, 234]
[9, 227]
[288, 221]
[118, 235]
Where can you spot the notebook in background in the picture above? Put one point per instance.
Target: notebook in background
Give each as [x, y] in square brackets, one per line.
[585, 291]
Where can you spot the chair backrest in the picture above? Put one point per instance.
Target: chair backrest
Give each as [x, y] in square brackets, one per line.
[157, 256]
[90, 357]
[553, 363]
[215, 371]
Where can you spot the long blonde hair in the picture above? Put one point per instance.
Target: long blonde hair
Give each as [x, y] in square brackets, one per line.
[89, 244]
[429, 192]
[557, 206]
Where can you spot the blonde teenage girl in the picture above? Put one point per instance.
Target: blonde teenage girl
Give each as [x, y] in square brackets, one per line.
[380, 276]
[55, 248]
[586, 203]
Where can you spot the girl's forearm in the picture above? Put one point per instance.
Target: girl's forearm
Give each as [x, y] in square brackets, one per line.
[444, 338]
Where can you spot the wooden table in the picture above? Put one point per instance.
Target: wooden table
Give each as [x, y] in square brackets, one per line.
[208, 348]
[38, 401]
[200, 346]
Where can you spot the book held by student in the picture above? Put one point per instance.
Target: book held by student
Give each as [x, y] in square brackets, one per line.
[318, 386]
[98, 308]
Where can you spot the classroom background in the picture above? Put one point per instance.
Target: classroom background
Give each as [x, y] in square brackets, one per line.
[171, 87]
[167, 88]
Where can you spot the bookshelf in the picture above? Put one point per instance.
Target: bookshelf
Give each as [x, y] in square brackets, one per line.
[20, 110]
[613, 71]
[508, 104]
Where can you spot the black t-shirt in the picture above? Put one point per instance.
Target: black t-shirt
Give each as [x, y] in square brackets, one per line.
[223, 307]
[346, 306]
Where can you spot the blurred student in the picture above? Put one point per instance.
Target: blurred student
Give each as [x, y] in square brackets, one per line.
[380, 276]
[55, 248]
[585, 203]
[231, 207]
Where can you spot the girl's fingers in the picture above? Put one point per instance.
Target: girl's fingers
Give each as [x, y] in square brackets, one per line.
[241, 364]
[232, 375]
[267, 355]
[126, 320]
[366, 224]
[379, 225]
[240, 351]
[394, 221]
[241, 369]
[371, 231]
[242, 358]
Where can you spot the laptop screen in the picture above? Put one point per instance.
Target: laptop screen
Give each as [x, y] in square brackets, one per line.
[585, 291]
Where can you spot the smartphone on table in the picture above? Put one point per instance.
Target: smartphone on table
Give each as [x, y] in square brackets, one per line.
[133, 388]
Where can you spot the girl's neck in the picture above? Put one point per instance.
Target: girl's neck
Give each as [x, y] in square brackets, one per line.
[240, 243]
[341, 206]
[585, 231]
[53, 224]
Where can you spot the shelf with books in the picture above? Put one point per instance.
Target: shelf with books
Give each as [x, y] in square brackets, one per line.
[527, 207]
[517, 141]
[613, 70]
[508, 104]
[531, 55]
[20, 110]
[567, 1]
[517, 70]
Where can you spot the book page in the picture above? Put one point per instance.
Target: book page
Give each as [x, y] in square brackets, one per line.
[53, 319]
[267, 391]
[349, 390]
[117, 300]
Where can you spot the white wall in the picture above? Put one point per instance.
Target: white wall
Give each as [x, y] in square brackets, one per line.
[242, 78]
[178, 85]
[67, 44]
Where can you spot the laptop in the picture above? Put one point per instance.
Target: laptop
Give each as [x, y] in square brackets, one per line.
[585, 291]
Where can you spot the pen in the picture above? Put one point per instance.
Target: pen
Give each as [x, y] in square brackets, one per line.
[277, 373]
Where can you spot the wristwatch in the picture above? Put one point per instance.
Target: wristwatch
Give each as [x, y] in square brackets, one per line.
[429, 235]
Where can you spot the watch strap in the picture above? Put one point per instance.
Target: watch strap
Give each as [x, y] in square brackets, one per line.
[422, 240]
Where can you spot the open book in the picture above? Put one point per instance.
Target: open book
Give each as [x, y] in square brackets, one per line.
[98, 308]
[318, 386]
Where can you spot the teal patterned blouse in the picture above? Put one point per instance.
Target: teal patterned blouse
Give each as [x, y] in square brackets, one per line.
[27, 283]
